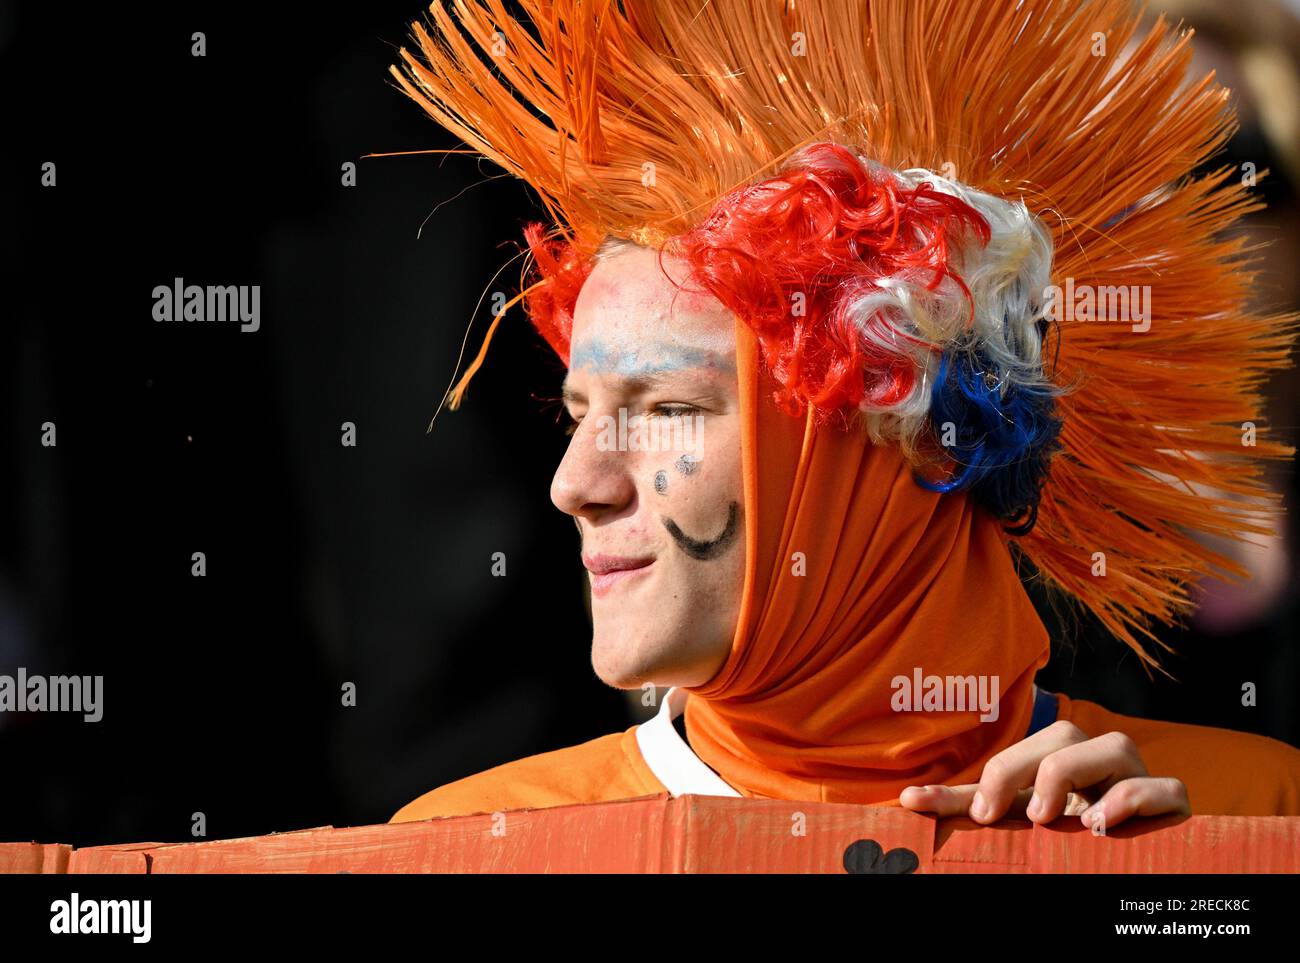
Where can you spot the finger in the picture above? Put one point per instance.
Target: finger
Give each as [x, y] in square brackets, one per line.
[1015, 767]
[955, 801]
[1016, 808]
[1102, 762]
[1141, 796]
[940, 800]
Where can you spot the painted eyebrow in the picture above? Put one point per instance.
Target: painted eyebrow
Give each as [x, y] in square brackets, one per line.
[634, 385]
[657, 357]
[635, 376]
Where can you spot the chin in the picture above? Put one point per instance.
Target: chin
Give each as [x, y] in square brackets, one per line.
[618, 680]
[625, 659]
[617, 670]
[621, 663]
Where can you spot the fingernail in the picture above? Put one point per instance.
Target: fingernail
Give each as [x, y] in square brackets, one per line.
[1035, 807]
[978, 807]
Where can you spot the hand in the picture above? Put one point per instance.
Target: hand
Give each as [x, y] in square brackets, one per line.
[1071, 775]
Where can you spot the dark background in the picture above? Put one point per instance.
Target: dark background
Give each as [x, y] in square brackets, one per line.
[325, 564]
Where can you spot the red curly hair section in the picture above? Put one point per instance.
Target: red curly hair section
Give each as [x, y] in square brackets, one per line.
[550, 305]
[790, 255]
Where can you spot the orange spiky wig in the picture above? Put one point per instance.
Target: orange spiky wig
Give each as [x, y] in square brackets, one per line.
[996, 212]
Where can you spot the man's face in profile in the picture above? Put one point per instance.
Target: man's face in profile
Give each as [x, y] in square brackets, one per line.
[652, 475]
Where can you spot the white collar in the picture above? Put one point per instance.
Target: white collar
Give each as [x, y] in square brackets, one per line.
[671, 759]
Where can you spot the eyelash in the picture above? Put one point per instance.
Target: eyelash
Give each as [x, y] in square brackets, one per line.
[677, 410]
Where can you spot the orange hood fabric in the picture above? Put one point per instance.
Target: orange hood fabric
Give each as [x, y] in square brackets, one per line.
[894, 579]
[897, 578]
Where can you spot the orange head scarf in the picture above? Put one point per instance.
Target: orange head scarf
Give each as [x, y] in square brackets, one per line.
[894, 578]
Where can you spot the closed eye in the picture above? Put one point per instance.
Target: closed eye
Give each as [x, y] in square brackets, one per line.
[665, 410]
[674, 410]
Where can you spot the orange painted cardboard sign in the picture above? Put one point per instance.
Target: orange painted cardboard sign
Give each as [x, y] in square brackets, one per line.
[708, 834]
[34, 858]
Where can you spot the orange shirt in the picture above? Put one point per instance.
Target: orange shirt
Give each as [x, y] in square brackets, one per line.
[1226, 773]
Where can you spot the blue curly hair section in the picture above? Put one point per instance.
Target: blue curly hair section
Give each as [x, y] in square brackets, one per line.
[1001, 436]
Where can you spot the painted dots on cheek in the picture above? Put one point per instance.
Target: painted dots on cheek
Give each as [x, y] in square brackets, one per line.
[687, 464]
[661, 482]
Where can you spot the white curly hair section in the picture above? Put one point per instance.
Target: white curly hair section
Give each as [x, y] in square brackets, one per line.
[1007, 279]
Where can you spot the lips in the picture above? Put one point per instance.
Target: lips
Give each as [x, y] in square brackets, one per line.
[611, 571]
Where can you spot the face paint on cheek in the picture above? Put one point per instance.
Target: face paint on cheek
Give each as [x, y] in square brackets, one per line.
[708, 548]
[687, 464]
[661, 482]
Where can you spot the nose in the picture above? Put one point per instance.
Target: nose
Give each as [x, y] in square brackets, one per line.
[593, 478]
